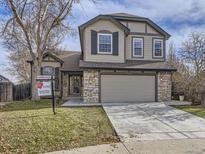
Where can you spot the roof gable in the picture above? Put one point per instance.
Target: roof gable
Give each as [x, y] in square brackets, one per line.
[123, 15]
[99, 17]
[129, 17]
[53, 57]
[3, 79]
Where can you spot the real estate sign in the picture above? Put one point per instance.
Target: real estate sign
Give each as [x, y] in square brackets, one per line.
[44, 88]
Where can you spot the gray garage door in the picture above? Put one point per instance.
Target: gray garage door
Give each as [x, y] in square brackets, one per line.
[127, 88]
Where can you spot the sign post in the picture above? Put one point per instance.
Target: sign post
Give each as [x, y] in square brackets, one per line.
[53, 97]
[45, 87]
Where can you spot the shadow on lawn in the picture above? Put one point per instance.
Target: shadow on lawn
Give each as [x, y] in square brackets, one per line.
[27, 105]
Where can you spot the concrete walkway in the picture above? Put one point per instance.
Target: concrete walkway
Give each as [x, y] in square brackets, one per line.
[182, 146]
[78, 103]
[154, 121]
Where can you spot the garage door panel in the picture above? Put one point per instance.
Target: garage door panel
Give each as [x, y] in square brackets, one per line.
[127, 88]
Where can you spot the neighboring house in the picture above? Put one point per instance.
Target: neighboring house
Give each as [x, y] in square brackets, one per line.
[6, 90]
[122, 60]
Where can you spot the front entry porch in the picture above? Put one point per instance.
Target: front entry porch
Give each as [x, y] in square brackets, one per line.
[75, 88]
[72, 85]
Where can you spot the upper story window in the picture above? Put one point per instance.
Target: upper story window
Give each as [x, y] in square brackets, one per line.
[138, 47]
[105, 43]
[158, 48]
[48, 70]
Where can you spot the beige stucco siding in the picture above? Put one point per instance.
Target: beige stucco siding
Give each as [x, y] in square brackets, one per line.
[99, 26]
[151, 30]
[147, 47]
[137, 27]
[49, 59]
[52, 64]
[125, 23]
[140, 27]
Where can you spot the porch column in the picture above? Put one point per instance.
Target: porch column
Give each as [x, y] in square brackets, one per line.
[91, 86]
[65, 84]
[164, 86]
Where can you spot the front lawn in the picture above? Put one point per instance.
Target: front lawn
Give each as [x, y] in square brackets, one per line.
[196, 110]
[31, 127]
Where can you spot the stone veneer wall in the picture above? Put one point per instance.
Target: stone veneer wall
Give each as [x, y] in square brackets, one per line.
[91, 86]
[164, 86]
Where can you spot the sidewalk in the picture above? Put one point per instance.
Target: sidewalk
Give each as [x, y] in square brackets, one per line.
[179, 146]
[117, 148]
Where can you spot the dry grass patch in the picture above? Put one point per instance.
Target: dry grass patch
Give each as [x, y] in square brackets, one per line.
[31, 127]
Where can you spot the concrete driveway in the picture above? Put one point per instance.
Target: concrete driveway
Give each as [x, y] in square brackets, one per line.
[154, 121]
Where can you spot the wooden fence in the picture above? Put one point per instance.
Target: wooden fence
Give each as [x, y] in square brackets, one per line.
[21, 91]
[5, 91]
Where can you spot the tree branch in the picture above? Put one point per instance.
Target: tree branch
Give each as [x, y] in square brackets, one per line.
[19, 21]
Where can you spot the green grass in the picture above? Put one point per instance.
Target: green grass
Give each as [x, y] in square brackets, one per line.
[196, 110]
[31, 127]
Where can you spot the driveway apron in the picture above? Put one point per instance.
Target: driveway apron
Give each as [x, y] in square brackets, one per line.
[154, 121]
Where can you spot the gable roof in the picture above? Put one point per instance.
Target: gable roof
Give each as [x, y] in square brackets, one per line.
[130, 17]
[4, 79]
[54, 56]
[121, 14]
[97, 18]
[116, 18]
[71, 62]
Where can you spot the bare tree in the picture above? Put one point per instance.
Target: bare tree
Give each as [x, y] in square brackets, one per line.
[176, 61]
[192, 52]
[182, 79]
[36, 26]
[18, 65]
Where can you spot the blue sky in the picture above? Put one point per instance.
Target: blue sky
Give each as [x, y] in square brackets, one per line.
[177, 17]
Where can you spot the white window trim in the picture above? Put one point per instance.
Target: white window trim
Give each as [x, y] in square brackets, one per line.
[133, 49]
[99, 52]
[162, 48]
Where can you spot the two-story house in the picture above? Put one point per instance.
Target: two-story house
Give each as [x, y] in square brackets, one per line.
[123, 59]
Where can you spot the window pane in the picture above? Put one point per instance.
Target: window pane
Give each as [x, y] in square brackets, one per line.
[158, 52]
[105, 43]
[138, 51]
[138, 47]
[105, 47]
[138, 44]
[48, 71]
[105, 39]
[158, 48]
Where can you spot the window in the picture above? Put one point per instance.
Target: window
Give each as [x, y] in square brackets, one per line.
[137, 47]
[105, 43]
[48, 70]
[158, 48]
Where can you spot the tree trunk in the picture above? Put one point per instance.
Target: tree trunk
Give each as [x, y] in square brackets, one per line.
[35, 72]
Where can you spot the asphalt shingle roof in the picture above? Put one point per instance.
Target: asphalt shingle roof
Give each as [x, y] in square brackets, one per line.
[124, 15]
[129, 64]
[71, 61]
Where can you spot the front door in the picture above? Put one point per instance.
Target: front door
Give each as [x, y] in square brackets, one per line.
[75, 85]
